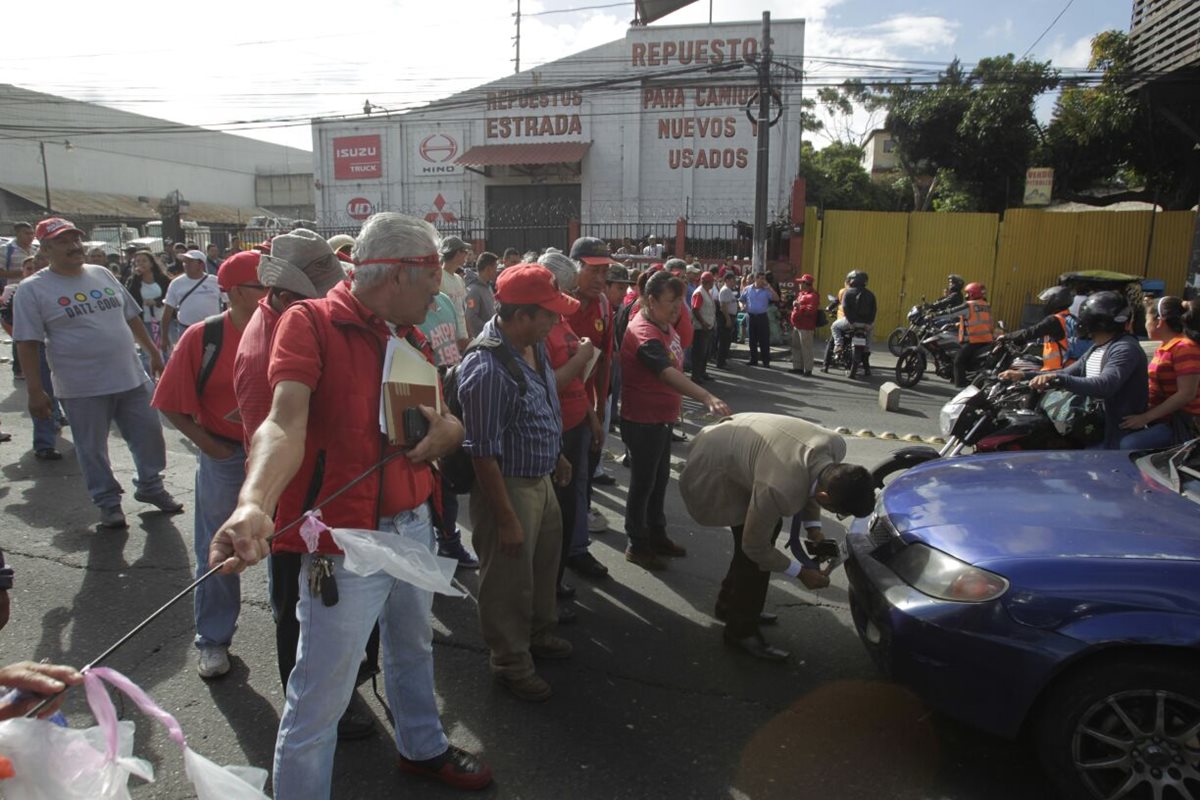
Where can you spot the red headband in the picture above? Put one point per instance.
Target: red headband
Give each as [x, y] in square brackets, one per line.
[430, 260]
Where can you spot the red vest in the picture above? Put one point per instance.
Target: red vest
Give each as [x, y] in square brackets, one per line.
[343, 438]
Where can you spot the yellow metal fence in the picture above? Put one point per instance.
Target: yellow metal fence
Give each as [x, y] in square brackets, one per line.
[909, 255]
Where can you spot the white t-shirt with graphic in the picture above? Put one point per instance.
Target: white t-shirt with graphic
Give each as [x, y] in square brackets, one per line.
[83, 321]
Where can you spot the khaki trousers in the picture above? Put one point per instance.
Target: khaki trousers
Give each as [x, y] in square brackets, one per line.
[802, 350]
[516, 593]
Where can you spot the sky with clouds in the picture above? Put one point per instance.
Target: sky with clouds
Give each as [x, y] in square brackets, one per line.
[240, 61]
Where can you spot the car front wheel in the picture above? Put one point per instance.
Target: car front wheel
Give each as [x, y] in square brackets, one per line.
[1124, 730]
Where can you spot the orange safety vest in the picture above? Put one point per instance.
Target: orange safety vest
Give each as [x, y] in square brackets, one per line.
[1054, 351]
[976, 326]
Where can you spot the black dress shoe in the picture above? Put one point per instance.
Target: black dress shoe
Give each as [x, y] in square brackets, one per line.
[47, 454]
[587, 565]
[353, 726]
[604, 479]
[757, 646]
[565, 591]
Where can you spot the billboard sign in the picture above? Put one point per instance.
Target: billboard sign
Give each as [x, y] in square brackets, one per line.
[357, 158]
[1039, 182]
[434, 153]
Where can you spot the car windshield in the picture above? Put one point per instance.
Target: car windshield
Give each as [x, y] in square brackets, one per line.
[1177, 468]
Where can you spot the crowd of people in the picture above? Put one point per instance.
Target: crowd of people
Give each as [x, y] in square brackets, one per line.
[273, 367]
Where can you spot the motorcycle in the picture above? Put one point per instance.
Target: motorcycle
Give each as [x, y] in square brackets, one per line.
[910, 335]
[941, 345]
[995, 416]
[854, 354]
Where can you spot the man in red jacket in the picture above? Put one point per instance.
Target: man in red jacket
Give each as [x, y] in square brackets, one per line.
[321, 446]
[804, 325]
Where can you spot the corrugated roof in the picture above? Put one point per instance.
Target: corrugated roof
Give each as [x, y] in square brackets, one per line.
[492, 155]
[125, 207]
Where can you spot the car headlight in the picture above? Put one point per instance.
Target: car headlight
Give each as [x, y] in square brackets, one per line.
[939, 575]
[952, 410]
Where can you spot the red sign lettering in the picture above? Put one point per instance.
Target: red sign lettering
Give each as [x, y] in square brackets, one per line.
[357, 158]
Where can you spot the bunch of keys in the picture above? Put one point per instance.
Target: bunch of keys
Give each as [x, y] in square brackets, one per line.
[321, 581]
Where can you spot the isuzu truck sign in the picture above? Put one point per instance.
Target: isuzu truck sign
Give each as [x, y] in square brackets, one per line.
[357, 158]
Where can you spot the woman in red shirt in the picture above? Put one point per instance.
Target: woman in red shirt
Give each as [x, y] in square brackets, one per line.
[1174, 413]
[652, 383]
[804, 324]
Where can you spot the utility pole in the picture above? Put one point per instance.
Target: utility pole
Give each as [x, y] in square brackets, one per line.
[764, 144]
[517, 38]
[45, 175]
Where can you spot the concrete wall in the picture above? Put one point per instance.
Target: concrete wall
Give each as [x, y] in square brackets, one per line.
[663, 144]
[122, 153]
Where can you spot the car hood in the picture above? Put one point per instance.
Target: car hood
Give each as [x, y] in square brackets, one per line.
[999, 507]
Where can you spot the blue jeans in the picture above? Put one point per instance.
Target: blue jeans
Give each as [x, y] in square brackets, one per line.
[140, 428]
[219, 599]
[45, 431]
[332, 640]
[1154, 437]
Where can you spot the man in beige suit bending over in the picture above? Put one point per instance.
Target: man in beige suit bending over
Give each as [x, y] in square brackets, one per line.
[748, 472]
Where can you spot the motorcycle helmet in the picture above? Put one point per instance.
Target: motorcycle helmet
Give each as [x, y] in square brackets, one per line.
[1104, 312]
[956, 282]
[1056, 299]
[856, 278]
[975, 291]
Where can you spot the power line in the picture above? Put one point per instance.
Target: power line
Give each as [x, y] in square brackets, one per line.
[578, 8]
[1048, 27]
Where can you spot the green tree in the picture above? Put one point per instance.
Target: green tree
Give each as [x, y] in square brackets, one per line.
[975, 129]
[836, 180]
[1125, 141]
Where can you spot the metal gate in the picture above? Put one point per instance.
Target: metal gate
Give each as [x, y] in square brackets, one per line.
[530, 217]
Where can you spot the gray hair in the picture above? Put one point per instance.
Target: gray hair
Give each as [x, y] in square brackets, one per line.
[565, 270]
[390, 235]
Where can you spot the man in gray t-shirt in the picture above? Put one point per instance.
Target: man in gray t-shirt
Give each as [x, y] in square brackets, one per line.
[88, 324]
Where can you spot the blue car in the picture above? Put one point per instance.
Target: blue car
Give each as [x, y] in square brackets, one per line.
[1054, 595]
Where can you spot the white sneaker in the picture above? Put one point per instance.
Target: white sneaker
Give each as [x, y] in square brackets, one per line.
[214, 662]
[597, 522]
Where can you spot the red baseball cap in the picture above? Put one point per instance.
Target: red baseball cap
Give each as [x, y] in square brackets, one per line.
[806, 278]
[53, 227]
[533, 284]
[707, 277]
[240, 268]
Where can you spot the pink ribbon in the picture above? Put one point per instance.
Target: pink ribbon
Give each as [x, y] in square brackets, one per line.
[311, 529]
[106, 714]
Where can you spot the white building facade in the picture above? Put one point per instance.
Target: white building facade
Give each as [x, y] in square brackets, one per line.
[641, 131]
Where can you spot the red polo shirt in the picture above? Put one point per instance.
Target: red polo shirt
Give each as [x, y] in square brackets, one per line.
[216, 410]
[561, 345]
[250, 369]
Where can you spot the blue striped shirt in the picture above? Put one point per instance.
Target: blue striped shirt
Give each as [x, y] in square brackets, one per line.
[524, 434]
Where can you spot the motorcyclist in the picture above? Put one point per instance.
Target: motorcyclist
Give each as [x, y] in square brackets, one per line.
[974, 328]
[1058, 330]
[858, 307]
[953, 297]
[1114, 367]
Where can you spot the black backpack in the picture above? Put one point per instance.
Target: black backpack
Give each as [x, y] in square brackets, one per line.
[458, 470]
[214, 333]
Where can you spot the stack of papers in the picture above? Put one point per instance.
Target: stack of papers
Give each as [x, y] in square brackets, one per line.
[409, 380]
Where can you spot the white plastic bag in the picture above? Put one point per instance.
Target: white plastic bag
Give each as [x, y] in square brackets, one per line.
[53, 763]
[404, 559]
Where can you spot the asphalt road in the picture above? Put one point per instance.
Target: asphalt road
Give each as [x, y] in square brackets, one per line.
[651, 705]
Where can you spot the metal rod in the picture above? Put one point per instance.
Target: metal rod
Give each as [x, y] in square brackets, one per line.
[184, 593]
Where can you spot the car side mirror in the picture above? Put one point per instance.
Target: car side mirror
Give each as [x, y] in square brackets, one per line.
[1000, 325]
[830, 298]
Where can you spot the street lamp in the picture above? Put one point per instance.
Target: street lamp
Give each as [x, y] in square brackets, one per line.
[46, 168]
